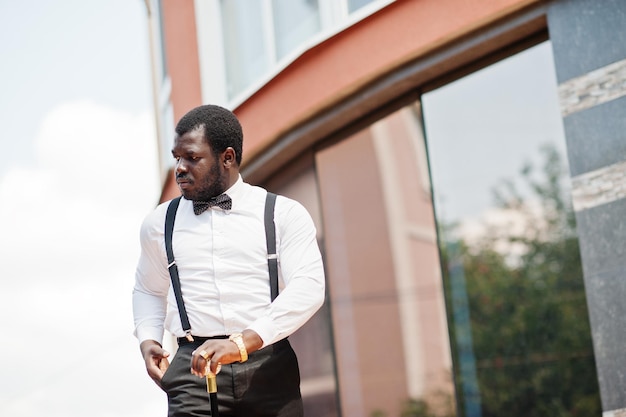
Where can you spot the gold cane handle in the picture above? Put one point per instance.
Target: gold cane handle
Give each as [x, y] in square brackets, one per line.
[211, 383]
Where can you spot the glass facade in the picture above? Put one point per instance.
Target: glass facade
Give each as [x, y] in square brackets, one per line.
[510, 257]
[313, 342]
[451, 248]
[385, 290]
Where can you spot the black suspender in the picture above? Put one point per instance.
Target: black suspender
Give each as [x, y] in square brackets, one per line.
[170, 216]
[272, 257]
[270, 238]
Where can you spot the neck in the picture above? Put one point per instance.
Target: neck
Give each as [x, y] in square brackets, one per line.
[233, 176]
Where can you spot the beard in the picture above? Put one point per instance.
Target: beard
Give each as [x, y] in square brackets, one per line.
[211, 185]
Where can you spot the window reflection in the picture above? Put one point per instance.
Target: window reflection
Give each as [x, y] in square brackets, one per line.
[163, 60]
[247, 55]
[385, 289]
[312, 343]
[354, 5]
[295, 21]
[260, 35]
[514, 286]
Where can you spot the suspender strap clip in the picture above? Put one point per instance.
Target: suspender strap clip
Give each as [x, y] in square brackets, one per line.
[188, 335]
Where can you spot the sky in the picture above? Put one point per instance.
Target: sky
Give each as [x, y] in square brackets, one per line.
[483, 128]
[78, 172]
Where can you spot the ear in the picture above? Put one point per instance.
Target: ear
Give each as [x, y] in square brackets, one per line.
[229, 157]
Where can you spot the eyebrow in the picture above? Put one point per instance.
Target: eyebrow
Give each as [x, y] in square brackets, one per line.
[186, 152]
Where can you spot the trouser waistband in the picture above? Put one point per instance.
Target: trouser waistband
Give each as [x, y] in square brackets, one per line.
[198, 339]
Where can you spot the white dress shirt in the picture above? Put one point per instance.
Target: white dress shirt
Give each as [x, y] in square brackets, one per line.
[222, 264]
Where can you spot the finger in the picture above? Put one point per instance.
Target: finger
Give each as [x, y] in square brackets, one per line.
[214, 367]
[198, 368]
[200, 352]
[197, 357]
[157, 353]
[163, 365]
[199, 360]
[155, 373]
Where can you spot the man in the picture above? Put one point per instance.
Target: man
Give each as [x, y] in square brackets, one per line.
[221, 257]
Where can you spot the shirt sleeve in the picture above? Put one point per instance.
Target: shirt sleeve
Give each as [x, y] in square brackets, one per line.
[302, 270]
[151, 281]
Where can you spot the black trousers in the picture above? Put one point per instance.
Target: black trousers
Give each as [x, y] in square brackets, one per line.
[266, 385]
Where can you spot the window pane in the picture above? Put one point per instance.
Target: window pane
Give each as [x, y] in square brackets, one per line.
[295, 21]
[514, 285]
[384, 282]
[312, 342]
[163, 61]
[354, 5]
[247, 57]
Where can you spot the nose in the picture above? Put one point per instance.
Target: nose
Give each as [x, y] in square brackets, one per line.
[180, 166]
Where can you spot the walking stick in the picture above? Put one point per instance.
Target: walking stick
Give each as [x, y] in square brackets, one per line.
[211, 387]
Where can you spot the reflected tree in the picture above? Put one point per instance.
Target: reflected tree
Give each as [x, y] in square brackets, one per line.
[530, 337]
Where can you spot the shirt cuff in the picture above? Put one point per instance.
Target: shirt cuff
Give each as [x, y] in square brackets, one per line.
[149, 333]
[266, 330]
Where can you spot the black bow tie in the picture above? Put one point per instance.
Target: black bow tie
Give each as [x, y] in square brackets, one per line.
[222, 201]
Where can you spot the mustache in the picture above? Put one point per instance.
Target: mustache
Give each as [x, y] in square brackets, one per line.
[182, 177]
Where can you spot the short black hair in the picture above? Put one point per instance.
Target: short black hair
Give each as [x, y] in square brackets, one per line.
[221, 128]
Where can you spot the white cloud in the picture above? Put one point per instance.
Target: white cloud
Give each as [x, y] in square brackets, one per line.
[69, 244]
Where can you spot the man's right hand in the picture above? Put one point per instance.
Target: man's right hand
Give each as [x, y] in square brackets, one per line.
[156, 359]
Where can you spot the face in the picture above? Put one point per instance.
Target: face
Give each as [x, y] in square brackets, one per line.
[199, 172]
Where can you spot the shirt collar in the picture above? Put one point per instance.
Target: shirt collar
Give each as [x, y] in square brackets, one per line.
[236, 190]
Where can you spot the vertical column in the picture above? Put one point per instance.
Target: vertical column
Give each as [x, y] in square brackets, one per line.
[589, 42]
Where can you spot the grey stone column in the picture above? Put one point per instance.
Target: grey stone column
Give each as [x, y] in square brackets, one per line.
[589, 43]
